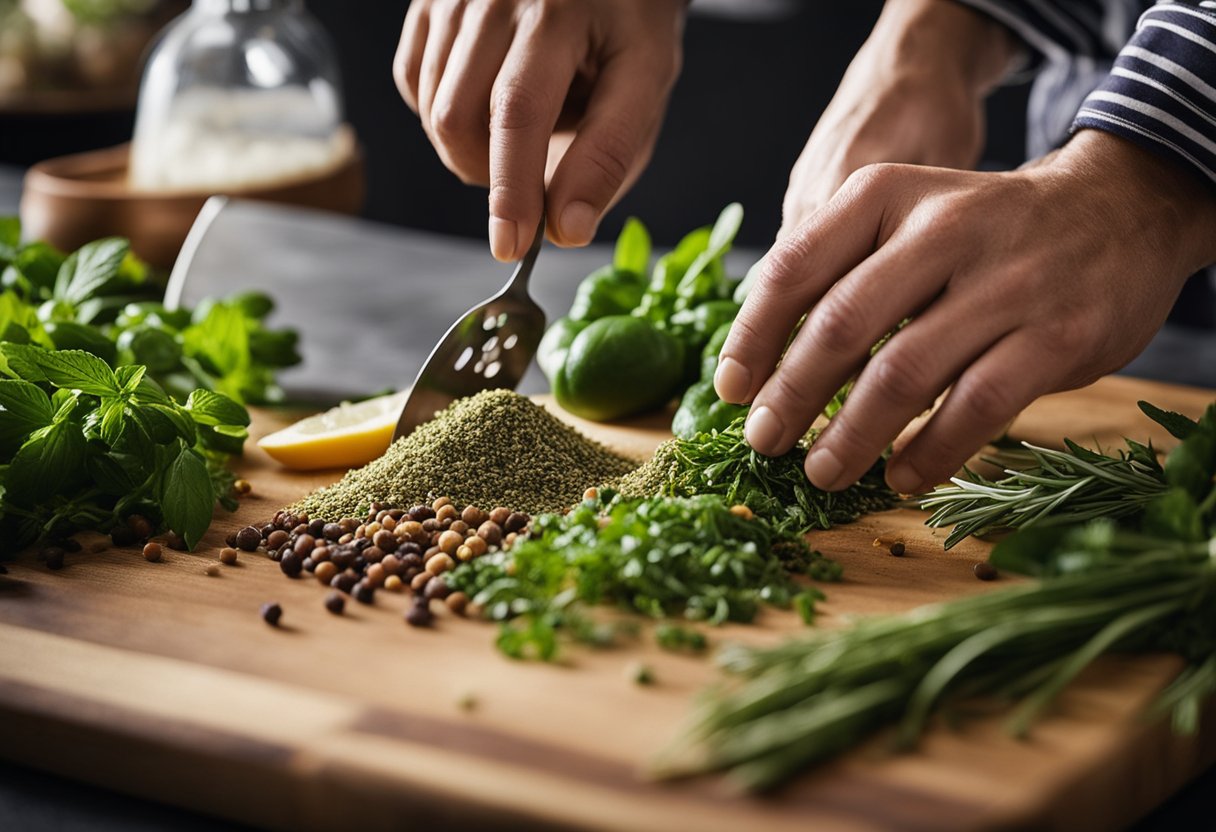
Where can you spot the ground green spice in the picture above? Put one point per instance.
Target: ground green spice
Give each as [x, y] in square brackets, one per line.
[496, 448]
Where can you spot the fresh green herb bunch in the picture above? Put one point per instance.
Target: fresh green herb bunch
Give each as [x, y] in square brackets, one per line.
[1146, 585]
[100, 300]
[661, 557]
[1044, 486]
[85, 445]
[776, 488]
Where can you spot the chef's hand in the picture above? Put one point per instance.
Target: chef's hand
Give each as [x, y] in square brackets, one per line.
[914, 93]
[516, 92]
[1017, 283]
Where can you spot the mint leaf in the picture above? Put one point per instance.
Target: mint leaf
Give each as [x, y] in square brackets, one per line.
[78, 370]
[187, 498]
[50, 460]
[24, 408]
[210, 408]
[39, 263]
[130, 376]
[113, 420]
[632, 252]
[90, 270]
[21, 361]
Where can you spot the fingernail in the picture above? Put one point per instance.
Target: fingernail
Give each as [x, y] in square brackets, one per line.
[763, 430]
[577, 223]
[823, 468]
[732, 381]
[905, 479]
[504, 238]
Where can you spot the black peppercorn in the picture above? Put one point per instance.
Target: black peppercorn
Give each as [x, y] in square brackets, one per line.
[335, 602]
[898, 549]
[140, 525]
[175, 541]
[985, 571]
[363, 592]
[291, 564]
[436, 589]
[516, 522]
[413, 560]
[316, 527]
[271, 613]
[331, 531]
[421, 513]
[248, 539]
[344, 582]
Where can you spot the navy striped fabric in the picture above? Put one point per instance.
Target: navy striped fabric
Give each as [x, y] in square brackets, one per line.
[1144, 71]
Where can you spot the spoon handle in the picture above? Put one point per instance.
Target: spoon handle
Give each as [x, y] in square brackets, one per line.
[518, 284]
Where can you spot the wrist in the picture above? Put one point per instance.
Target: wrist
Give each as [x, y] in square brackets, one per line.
[1166, 199]
[944, 39]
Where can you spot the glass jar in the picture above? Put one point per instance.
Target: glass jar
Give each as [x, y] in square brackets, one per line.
[239, 94]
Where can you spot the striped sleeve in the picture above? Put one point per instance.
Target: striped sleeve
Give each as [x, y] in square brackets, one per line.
[1054, 30]
[1161, 93]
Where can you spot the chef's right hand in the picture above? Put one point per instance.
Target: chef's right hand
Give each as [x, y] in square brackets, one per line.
[517, 93]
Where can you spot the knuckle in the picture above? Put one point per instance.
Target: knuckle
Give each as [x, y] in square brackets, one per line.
[610, 154]
[901, 376]
[985, 400]
[515, 107]
[451, 123]
[784, 394]
[783, 267]
[1064, 334]
[874, 177]
[838, 324]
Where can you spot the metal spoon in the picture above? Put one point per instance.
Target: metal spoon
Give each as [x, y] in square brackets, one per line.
[489, 347]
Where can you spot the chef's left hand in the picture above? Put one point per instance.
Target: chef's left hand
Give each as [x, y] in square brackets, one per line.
[1017, 284]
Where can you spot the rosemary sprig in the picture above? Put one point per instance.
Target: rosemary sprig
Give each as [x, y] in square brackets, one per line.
[1060, 487]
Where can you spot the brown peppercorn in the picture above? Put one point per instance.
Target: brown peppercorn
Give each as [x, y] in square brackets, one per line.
[473, 516]
[449, 542]
[464, 553]
[740, 510]
[499, 515]
[430, 526]
[898, 548]
[441, 563]
[419, 614]
[335, 602]
[408, 530]
[490, 532]
[228, 556]
[391, 564]
[460, 527]
[457, 602]
[389, 523]
[291, 564]
[436, 590]
[53, 555]
[152, 552]
[276, 539]
[299, 529]
[373, 554]
[271, 613]
[211, 571]
[344, 582]
[325, 571]
[446, 513]
[421, 513]
[304, 545]
[393, 583]
[175, 541]
[242, 487]
[331, 531]
[316, 528]
[348, 524]
[440, 502]
[375, 575]
[419, 581]
[430, 553]
[411, 561]
[985, 571]
[516, 522]
[248, 539]
[477, 545]
[369, 530]
[346, 538]
[139, 524]
[319, 554]
[363, 592]
[385, 540]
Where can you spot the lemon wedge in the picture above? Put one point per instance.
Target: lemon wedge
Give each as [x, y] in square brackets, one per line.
[341, 437]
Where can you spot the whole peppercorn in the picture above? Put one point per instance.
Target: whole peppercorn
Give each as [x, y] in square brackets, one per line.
[464, 553]
[436, 590]
[409, 530]
[898, 548]
[375, 575]
[418, 582]
[248, 539]
[211, 570]
[53, 555]
[276, 539]
[421, 513]
[335, 602]
[140, 525]
[490, 532]
[391, 564]
[499, 516]
[439, 564]
[304, 545]
[325, 572]
[473, 516]
[389, 523]
[431, 526]
[393, 583]
[411, 561]
[985, 571]
[291, 564]
[418, 614]
[516, 522]
[230, 540]
[228, 556]
[447, 513]
[242, 487]
[175, 541]
[319, 554]
[373, 554]
[363, 592]
[449, 542]
[460, 527]
[316, 528]
[152, 552]
[477, 545]
[271, 613]
[331, 531]
[457, 602]
[385, 540]
[440, 502]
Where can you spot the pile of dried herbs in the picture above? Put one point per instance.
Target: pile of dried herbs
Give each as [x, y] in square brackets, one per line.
[1145, 582]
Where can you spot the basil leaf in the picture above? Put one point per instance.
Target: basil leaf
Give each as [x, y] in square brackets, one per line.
[228, 439]
[78, 370]
[632, 252]
[210, 408]
[40, 263]
[90, 270]
[47, 464]
[187, 497]
[10, 238]
[24, 408]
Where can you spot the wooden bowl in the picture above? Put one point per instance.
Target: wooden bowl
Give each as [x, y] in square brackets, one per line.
[71, 200]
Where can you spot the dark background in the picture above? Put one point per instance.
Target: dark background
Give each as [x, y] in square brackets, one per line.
[750, 93]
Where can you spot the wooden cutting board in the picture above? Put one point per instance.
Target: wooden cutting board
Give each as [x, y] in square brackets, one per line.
[158, 680]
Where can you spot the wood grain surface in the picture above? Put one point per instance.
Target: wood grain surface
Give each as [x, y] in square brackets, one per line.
[159, 680]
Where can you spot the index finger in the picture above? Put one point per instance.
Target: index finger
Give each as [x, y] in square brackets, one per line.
[527, 100]
[794, 275]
